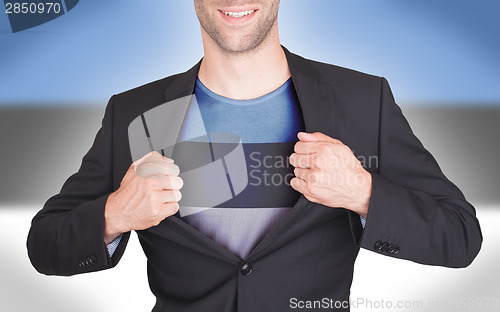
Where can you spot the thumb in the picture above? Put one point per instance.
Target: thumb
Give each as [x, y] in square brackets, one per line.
[316, 137]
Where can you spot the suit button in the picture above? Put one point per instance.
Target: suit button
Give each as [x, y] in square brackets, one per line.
[395, 249]
[246, 269]
[83, 263]
[93, 260]
[390, 249]
[378, 245]
[385, 245]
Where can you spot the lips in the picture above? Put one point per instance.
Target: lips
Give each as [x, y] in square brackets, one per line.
[237, 15]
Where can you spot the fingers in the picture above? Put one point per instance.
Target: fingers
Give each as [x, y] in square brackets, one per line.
[311, 176]
[165, 183]
[171, 183]
[302, 147]
[171, 196]
[303, 161]
[301, 173]
[313, 147]
[316, 137]
[150, 155]
[157, 169]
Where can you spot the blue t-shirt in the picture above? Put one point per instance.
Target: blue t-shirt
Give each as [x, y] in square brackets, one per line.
[265, 130]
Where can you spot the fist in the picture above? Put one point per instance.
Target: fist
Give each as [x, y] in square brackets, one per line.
[327, 172]
[149, 192]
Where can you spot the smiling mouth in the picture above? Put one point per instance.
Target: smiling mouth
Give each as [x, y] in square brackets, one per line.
[238, 14]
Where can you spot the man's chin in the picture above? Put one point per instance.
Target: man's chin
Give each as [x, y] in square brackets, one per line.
[240, 46]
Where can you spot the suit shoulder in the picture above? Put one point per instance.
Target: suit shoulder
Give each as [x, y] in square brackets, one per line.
[351, 88]
[130, 104]
[154, 89]
[338, 74]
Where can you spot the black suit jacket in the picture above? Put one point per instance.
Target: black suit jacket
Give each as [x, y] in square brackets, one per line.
[415, 212]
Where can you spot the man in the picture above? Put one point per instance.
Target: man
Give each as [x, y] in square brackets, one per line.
[259, 252]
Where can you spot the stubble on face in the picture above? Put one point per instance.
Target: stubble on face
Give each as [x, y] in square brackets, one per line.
[237, 39]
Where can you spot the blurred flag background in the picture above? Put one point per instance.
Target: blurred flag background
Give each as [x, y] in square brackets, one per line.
[440, 57]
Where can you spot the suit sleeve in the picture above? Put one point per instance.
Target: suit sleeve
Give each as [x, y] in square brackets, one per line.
[415, 212]
[67, 235]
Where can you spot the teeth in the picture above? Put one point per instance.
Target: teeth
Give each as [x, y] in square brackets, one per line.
[239, 14]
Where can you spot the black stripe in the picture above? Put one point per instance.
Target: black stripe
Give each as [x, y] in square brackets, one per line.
[145, 125]
[267, 169]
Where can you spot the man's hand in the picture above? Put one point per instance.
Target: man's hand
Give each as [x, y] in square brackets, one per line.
[327, 172]
[148, 193]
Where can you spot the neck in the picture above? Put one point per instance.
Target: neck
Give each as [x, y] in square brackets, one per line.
[244, 76]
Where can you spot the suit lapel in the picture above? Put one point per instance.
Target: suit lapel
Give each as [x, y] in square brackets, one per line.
[316, 98]
[183, 85]
[318, 110]
[318, 107]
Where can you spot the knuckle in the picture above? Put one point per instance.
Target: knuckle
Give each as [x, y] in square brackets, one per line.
[304, 162]
[314, 171]
[324, 148]
[148, 183]
[161, 198]
[346, 150]
[144, 166]
[154, 157]
[317, 162]
[145, 170]
[164, 197]
[168, 183]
